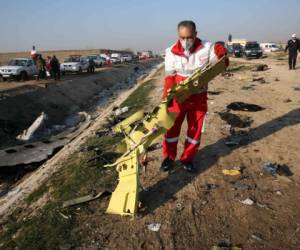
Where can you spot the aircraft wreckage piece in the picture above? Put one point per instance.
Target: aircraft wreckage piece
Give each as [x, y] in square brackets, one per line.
[27, 134]
[142, 131]
[40, 151]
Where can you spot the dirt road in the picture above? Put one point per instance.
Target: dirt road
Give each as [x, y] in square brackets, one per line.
[9, 86]
[252, 210]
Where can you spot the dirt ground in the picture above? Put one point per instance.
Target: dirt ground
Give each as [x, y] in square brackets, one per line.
[202, 210]
[205, 209]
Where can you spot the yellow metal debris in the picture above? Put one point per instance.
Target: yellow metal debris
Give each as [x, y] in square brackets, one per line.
[141, 131]
[231, 172]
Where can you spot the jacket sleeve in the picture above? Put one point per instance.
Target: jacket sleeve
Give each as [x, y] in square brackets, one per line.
[287, 46]
[217, 51]
[169, 71]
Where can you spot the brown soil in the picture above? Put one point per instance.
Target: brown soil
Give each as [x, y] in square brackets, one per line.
[198, 211]
[202, 210]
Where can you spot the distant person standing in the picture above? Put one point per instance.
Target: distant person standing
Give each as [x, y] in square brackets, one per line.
[41, 67]
[91, 66]
[293, 46]
[48, 66]
[33, 53]
[55, 67]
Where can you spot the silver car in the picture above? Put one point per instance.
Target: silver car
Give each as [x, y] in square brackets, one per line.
[76, 64]
[19, 69]
[98, 60]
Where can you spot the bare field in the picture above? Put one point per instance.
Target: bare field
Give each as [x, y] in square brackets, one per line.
[60, 54]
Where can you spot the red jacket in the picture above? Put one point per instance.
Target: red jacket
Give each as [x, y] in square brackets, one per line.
[179, 66]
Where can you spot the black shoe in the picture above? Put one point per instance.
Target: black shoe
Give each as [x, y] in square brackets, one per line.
[188, 166]
[167, 164]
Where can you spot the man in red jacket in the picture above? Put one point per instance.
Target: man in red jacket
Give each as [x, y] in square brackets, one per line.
[188, 54]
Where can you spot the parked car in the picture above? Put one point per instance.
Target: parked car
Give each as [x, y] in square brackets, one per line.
[98, 60]
[19, 69]
[269, 47]
[237, 50]
[230, 49]
[252, 50]
[145, 55]
[126, 58]
[106, 57]
[75, 63]
[115, 58]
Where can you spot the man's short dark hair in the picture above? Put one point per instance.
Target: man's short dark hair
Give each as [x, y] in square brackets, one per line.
[188, 24]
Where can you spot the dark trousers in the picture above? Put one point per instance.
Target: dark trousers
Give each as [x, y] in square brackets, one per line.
[56, 74]
[42, 74]
[292, 61]
[91, 69]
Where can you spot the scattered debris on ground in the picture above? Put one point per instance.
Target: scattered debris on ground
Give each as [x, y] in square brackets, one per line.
[249, 87]
[241, 186]
[247, 201]
[241, 106]
[227, 74]
[86, 198]
[257, 237]
[27, 134]
[231, 172]
[274, 168]
[259, 79]
[297, 89]
[120, 111]
[37, 152]
[154, 227]
[261, 67]
[215, 92]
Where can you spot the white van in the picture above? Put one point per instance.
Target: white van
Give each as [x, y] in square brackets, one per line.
[115, 57]
[269, 47]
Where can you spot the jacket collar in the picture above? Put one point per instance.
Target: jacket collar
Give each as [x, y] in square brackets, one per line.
[177, 48]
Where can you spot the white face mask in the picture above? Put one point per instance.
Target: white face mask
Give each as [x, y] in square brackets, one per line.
[186, 44]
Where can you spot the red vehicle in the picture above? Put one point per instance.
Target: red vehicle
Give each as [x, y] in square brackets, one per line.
[145, 55]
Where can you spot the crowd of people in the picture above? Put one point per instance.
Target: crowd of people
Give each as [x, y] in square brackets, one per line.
[46, 68]
[51, 66]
